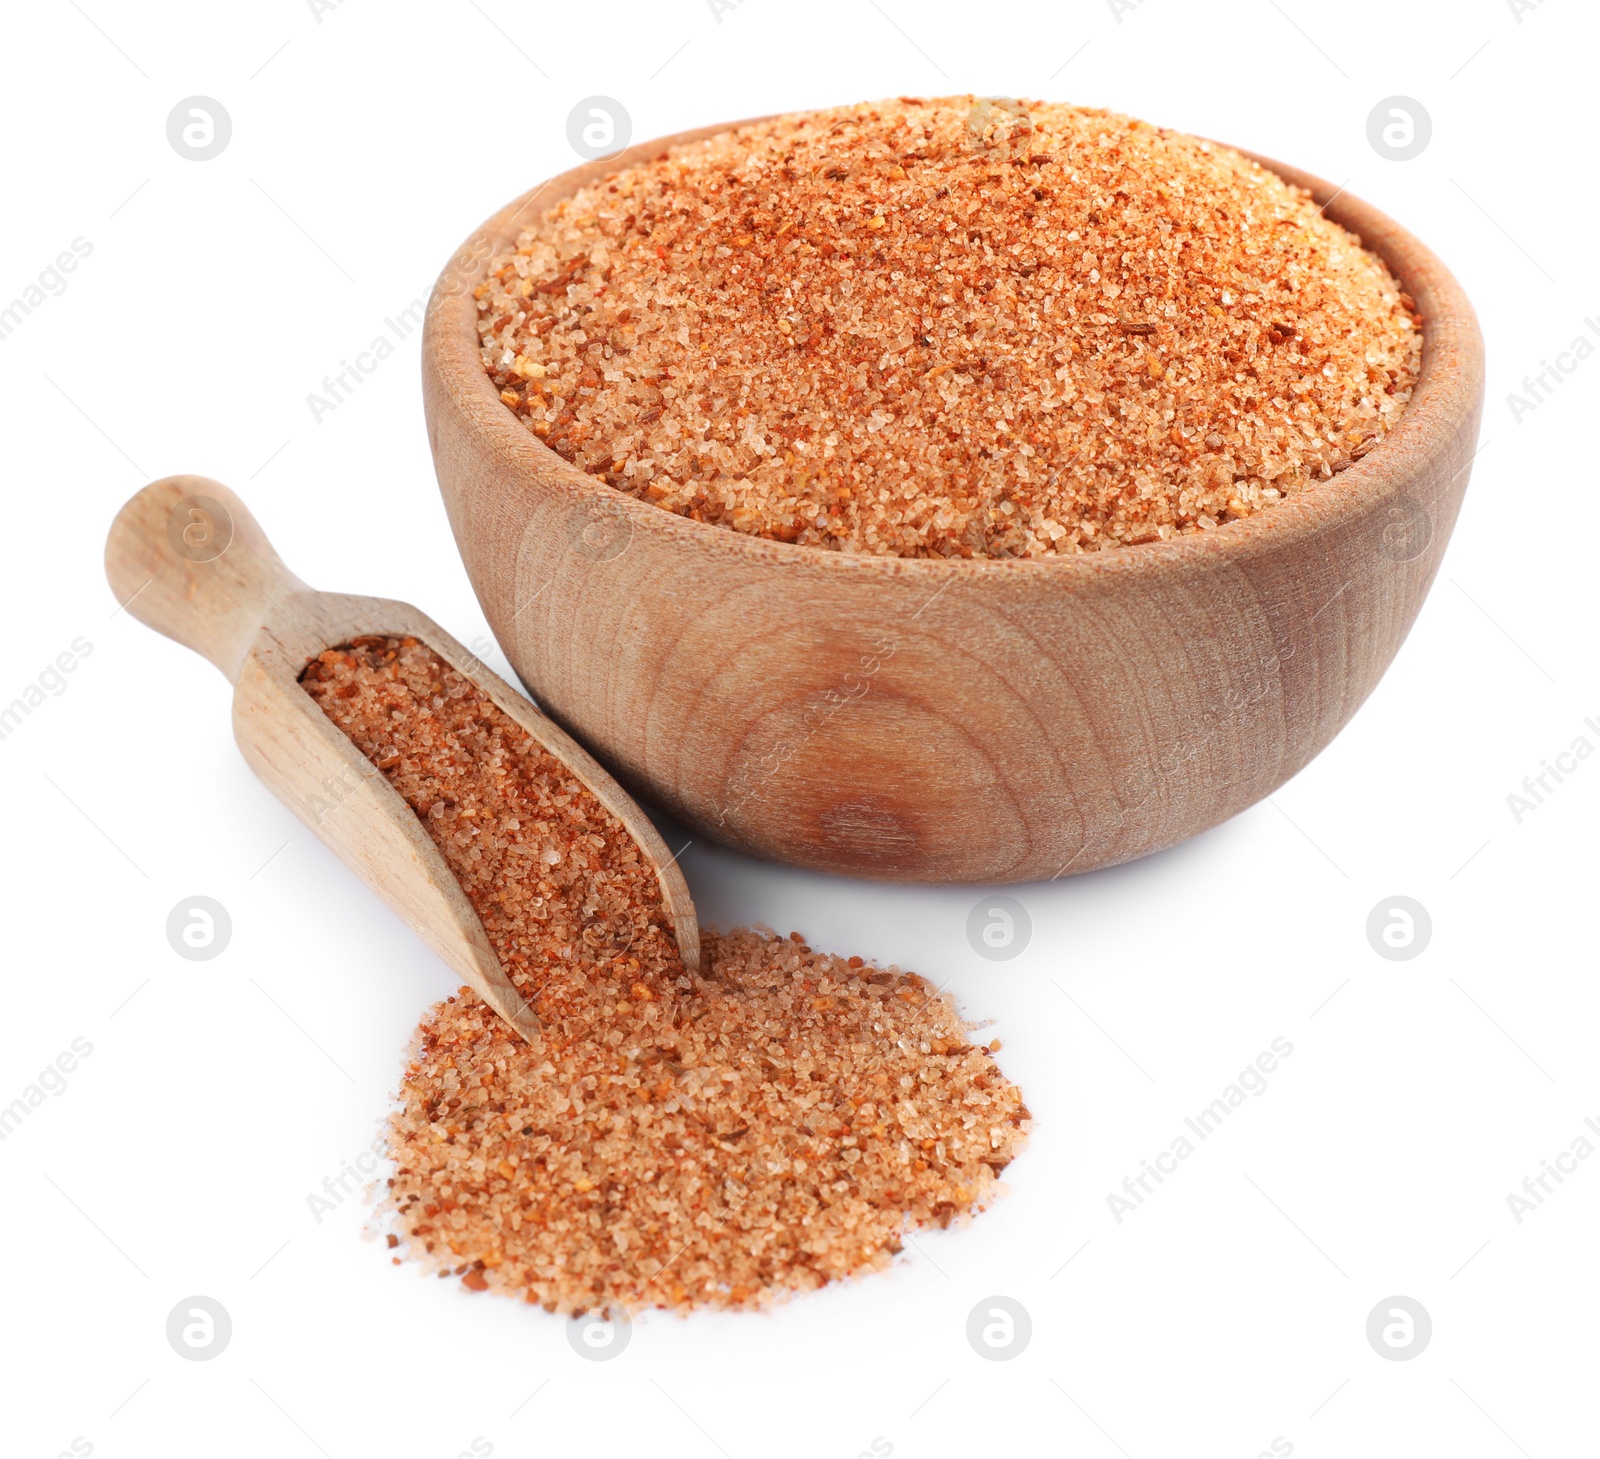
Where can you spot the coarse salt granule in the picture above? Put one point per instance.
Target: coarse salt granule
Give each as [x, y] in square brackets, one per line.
[950, 328]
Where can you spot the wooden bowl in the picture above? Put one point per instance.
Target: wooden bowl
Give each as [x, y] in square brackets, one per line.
[931, 720]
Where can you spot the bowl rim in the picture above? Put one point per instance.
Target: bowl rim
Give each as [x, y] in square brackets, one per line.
[1444, 403]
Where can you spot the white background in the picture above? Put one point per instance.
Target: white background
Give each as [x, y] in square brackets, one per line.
[1229, 1310]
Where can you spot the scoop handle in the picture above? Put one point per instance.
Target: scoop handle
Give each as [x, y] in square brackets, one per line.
[185, 556]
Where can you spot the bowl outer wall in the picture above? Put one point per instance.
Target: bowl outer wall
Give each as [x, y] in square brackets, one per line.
[927, 720]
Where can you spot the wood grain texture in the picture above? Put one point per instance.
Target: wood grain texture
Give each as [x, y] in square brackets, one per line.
[969, 721]
[223, 592]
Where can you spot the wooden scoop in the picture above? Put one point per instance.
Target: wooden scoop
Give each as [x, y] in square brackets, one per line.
[186, 557]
